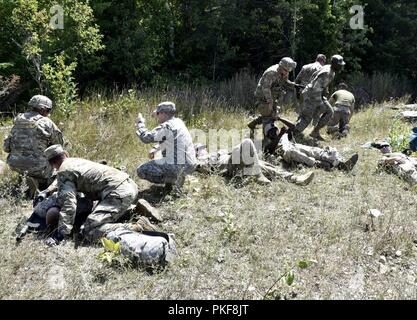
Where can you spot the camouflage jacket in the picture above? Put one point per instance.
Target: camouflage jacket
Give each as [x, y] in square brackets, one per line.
[174, 141]
[320, 83]
[270, 80]
[307, 72]
[94, 180]
[31, 134]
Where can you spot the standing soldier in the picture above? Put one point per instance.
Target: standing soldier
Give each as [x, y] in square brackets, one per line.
[174, 141]
[306, 75]
[31, 134]
[276, 75]
[343, 103]
[315, 99]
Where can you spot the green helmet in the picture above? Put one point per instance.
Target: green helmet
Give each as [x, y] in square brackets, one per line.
[288, 64]
[40, 102]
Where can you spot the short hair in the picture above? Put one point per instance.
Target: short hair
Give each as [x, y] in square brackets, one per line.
[58, 158]
[342, 86]
[321, 57]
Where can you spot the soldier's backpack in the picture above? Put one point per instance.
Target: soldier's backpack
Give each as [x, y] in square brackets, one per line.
[149, 248]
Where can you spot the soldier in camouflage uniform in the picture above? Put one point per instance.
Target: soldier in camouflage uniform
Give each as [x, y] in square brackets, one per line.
[174, 141]
[325, 158]
[315, 100]
[244, 158]
[343, 103]
[276, 75]
[31, 134]
[307, 73]
[113, 189]
[400, 164]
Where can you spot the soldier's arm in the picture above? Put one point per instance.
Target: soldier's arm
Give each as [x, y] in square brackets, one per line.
[56, 136]
[146, 136]
[267, 85]
[332, 99]
[67, 200]
[6, 145]
[300, 76]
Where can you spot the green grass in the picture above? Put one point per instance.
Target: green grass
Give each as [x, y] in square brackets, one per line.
[233, 243]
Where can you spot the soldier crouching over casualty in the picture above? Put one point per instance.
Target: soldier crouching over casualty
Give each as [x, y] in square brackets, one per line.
[175, 143]
[400, 164]
[343, 103]
[31, 134]
[113, 189]
[244, 158]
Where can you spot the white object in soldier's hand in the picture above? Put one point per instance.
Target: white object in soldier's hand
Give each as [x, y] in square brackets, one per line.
[140, 119]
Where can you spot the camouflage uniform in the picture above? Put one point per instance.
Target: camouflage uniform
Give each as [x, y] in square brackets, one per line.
[113, 189]
[177, 149]
[310, 156]
[242, 157]
[402, 165]
[31, 134]
[314, 100]
[305, 76]
[344, 102]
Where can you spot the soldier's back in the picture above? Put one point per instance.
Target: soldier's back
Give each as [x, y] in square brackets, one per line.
[90, 177]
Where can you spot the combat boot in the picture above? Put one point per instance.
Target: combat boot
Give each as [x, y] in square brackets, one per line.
[303, 180]
[315, 134]
[262, 180]
[144, 208]
[349, 164]
[142, 224]
[252, 126]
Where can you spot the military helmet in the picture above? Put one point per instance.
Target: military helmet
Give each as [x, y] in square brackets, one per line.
[337, 59]
[40, 102]
[288, 64]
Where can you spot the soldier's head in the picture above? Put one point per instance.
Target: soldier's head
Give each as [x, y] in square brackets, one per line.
[286, 65]
[321, 58]
[342, 86]
[165, 111]
[56, 155]
[337, 62]
[41, 104]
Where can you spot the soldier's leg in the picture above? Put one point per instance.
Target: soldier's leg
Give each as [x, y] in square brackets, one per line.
[327, 113]
[295, 154]
[152, 172]
[345, 116]
[306, 115]
[333, 125]
[108, 211]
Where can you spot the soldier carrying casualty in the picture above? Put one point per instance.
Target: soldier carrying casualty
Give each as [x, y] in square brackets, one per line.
[31, 134]
[314, 98]
[244, 159]
[276, 75]
[176, 145]
[113, 189]
[343, 103]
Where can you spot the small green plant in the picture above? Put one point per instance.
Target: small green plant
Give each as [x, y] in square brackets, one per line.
[111, 253]
[398, 136]
[229, 229]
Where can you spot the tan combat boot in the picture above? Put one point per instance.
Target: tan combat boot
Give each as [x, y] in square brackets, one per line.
[144, 208]
[142, 224]
[262, 180]
[304, 179]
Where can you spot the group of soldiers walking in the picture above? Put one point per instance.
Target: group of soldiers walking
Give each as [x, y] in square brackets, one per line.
[35, 147]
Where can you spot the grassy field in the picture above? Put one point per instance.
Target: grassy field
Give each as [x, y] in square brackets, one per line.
[248, 242]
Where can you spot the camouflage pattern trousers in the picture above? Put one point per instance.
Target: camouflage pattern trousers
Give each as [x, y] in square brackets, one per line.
[299, 153]
[110, 210]
[160, 173]
[312, 106]
[340, 120]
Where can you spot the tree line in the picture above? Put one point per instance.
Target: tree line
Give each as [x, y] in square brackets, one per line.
[104, 43]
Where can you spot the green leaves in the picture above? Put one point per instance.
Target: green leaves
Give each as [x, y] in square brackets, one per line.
[289, 279]
[111, 252]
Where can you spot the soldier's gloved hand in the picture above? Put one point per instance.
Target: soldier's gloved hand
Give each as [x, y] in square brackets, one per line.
[40, 197]
[55, 239]
[140, 119]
